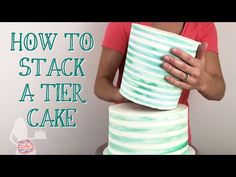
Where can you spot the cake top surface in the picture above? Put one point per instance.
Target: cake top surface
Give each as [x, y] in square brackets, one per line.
[133, 108]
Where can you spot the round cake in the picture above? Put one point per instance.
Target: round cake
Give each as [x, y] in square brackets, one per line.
[137, 129]
[143, 80]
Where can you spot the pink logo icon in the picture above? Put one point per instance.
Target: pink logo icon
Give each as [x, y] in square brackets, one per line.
[25, 146]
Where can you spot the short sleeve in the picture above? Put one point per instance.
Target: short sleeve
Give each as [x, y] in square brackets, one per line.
[208, 33]
[116, 36]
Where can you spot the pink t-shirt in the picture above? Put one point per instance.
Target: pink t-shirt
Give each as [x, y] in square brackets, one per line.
[117, 36]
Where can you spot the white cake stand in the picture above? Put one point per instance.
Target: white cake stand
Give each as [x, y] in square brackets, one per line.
[191, 151]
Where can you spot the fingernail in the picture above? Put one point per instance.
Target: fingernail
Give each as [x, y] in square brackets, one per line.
[175, 50]
[167, 77]
[164, 65]
[167, 57]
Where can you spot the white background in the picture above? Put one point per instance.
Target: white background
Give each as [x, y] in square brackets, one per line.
[213, 123]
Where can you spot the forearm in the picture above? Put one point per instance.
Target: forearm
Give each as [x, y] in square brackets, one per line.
[105, 90]
[214, 88]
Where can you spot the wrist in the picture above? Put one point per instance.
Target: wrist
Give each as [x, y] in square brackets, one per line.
[204, 84]
[118, 97]
[116, 94]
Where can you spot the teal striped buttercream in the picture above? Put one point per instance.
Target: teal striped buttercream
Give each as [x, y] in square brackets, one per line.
[155, 130]
[190, 50]
[140, 90]
[137, 129]
[165, 35]
[150, 103]
[150, 84]
[143, 79]
[146, 36]
[134, 43]
[163, 116]
[154, 55]
[147, 141]
[125, 150]
[152, 87]
[134, 71]
[147, 61]
[145, 67]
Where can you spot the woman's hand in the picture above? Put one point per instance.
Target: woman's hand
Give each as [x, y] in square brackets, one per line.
[189, 72]
[202, 73]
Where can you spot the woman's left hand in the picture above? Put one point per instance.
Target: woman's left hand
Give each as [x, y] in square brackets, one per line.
[187, 72]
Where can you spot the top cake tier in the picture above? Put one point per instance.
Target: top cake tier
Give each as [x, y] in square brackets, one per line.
[143, 79]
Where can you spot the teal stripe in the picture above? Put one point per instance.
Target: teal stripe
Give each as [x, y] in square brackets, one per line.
[146, 68]
[131, 74]
[159, 39]
[133, 151]
[171, 92]
[148, 130]
[140, 72]
[150, 118]
[159, 82]
[133, 70]
[143, 45]
[186, 152]
[148, 141]
[157, 85]
[150, 94]
[145, 60]
[162, 43]
[143, 79]
[154, 56]
[164, 37]
[145, 102]
[129, 71]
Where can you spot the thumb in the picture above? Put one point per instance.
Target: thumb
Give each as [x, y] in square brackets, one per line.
[202, 50]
